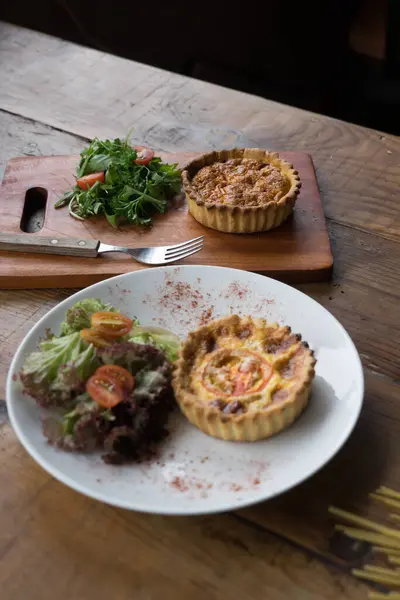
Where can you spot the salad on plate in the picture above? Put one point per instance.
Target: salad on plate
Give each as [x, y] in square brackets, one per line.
[104, 382]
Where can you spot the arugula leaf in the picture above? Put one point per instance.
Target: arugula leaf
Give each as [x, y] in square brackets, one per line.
[65, 199]
[130, 192]
[98, 162]
[112, 219]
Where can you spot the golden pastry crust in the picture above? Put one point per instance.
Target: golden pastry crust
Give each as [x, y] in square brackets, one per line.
[243, 379]
[240, 191]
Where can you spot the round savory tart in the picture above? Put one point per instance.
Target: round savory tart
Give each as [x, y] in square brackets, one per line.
[243, 379]
[240, 191]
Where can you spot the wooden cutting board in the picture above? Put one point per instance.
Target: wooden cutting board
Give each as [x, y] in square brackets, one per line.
[298, 251]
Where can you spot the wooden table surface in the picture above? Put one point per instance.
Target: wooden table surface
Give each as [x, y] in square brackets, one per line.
[55, 543]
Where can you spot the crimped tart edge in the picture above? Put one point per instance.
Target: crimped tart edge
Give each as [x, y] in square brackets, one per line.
[209, 158]
[249, 426]
[240, 219]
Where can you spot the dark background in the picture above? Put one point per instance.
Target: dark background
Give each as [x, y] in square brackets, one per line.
[338, 58]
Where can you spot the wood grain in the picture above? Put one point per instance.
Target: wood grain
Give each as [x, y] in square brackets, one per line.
[365, 295]
[369, 459]
[357, 168]
[55, 542]
[299, 250]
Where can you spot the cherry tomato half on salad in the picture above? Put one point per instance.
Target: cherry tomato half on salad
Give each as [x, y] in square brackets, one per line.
[87, 181]
[118, 374]
[144, 155]
[104, 390]
[111, 325]
[92, 336]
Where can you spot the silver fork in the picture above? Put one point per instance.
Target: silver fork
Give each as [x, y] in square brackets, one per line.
[158, 255]
[155, 255]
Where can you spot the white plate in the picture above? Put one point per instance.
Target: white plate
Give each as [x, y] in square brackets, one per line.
[194, 473]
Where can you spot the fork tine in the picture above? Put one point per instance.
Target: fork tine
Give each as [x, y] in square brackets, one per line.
[180, 257]
[197, 245]
[183, 244]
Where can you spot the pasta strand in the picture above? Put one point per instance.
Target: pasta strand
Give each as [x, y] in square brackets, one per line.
[369, 536]
[385, 500]
[383, 550]
[365, 522]
[383, 570]
[388, 492]
[377, 577]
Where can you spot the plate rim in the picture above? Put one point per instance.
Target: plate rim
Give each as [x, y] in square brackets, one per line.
[148, 509]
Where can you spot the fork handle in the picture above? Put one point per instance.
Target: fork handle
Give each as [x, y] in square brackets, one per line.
[26, 242]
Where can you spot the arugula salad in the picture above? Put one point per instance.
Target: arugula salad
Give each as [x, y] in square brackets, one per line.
[105, 382]
[122, 182]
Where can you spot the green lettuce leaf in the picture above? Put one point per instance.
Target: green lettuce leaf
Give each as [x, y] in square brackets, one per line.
[78, 317]
[84, 407]
[80, 429]
[163, 339]
[56, 373]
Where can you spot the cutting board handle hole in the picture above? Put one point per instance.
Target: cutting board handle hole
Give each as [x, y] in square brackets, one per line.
[33, 213]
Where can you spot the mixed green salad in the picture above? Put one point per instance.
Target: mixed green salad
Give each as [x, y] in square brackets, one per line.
[122, 182]
[106, 381]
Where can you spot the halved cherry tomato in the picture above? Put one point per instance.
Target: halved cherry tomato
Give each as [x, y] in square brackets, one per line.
[111, 325]
[104, 390]
[87, 181]
[120, 375]
[144, 155]
[93, 336]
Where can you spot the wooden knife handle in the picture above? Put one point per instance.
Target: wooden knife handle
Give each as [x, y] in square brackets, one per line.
[26, 242]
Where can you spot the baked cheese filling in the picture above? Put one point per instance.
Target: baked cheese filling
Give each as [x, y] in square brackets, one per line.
[236, 373]
[247, 373]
